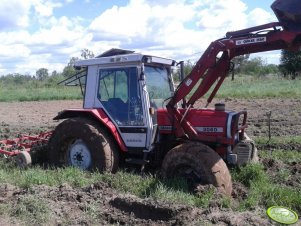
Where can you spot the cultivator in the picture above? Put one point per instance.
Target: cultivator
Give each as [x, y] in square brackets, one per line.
[21, 146]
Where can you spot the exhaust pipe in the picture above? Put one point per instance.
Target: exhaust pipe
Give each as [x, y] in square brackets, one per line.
[288, 13]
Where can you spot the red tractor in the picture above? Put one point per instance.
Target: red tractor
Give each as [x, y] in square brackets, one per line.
[131, 110]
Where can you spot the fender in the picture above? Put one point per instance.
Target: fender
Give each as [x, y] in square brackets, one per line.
[97, 114]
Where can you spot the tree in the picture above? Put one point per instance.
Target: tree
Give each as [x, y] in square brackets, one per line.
[256, 66]
[54, 73]
[290, 63]
[240, 61]
[42, 74]
[87, 54]
[188, 66]
[69, 69]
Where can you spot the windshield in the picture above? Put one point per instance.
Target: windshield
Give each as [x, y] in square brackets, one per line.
[158, 85]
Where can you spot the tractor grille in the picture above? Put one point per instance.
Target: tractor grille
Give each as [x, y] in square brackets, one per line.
[244, 152]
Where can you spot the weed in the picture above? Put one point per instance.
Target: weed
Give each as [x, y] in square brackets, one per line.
[279, 140]
[263, 191]
[250, 174]
[92, 212]
[31, 210]
[282, 155]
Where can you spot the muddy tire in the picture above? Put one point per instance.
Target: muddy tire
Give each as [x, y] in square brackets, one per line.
[197, 163]
[80, 142]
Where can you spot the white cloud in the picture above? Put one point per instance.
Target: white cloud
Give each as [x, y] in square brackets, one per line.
[13, 13]
[14, 51]
[16, 13]
[171, 28]
[219, 15]
[45, 8]
[259, 16]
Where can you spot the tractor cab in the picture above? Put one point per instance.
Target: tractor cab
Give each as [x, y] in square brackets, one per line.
[128, 87]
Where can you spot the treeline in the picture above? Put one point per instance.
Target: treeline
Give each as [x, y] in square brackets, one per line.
[43, 77]
[243, 65]
[290, 67]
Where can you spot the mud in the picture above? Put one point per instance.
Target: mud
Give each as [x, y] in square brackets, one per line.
[31, 117]
[99, 204]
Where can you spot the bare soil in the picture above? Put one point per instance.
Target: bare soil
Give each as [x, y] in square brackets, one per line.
[99, 204]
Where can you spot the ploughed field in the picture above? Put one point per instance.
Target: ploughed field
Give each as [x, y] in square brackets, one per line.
[33, 117]
[106, 202]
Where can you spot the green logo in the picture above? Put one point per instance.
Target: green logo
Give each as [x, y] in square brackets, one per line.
[282, 215]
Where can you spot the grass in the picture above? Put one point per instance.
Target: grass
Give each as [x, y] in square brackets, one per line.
[283, 156]
[279, 140]
[260, 87]
[27, 209]
[9, 94]
[31, 210]
[37, 176]
[263, 190]
[242, 87]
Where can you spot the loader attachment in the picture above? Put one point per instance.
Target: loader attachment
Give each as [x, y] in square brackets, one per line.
[288, 13]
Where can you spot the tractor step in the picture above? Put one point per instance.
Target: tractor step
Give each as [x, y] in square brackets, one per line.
[136, 161]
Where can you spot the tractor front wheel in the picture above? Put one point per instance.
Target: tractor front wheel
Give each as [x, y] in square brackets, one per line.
[198, 164]
[81, 143]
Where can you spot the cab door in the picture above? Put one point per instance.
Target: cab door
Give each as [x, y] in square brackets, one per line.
[119, 94]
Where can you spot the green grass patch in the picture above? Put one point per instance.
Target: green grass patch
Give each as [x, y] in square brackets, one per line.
[31, 210]
[37, 94]
[147, 186]
[282, 155]
[260, 87]
[252, 173]
[279, 140]
[37, 176]
[263, 192]
[28, 210]
[242, 87]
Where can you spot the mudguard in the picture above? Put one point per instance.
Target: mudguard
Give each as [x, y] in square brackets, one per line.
[98, 115]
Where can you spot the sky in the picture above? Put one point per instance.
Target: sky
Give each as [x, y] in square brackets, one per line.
[47, 33]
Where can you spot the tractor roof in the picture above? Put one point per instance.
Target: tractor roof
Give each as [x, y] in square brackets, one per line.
[120, 56]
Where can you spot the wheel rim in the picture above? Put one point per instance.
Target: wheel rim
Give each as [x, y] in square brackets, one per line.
[79, 155]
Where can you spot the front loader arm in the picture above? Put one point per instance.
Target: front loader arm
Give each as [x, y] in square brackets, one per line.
[212, 70]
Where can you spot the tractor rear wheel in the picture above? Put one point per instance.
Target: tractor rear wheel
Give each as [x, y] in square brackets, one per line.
[81, 143]
[198, 164]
